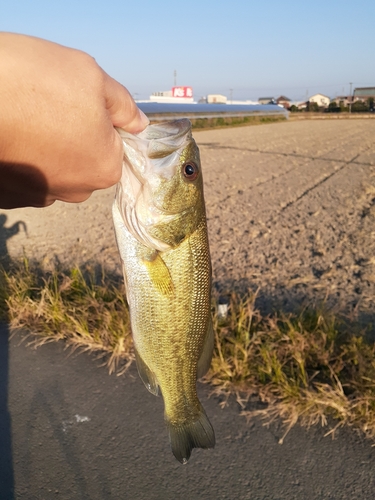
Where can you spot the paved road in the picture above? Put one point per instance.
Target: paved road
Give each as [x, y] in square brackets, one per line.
[78, 433]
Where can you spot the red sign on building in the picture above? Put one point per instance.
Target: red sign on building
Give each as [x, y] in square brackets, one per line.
[182, 92]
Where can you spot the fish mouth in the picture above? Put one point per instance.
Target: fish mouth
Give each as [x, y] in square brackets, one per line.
[161, 139]
[149, 156]
[166, 137]
[156, 149]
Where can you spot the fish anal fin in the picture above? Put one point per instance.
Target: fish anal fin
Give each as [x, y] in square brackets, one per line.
[204, 361]
[147, 377]
[159, 274]
[185, 436]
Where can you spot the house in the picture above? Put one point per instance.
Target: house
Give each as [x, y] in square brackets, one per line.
[342, 100]
[321, 100]
[301, 105]
[351, 99]
[283, 101]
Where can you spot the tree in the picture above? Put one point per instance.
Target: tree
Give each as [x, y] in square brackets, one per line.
[359, 107]
[312, 106]
[333, 107]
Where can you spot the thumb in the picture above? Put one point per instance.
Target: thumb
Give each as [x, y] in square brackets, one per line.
[123, 111]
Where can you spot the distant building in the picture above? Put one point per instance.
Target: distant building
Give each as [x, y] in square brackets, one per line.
[342, 100]
[216, 99]
[283, 101]
[359, 100]
[222, 99]
[266, 100]
[301, 105]
[247, 101]
[364, 93]
[321, 100]
[176, 95]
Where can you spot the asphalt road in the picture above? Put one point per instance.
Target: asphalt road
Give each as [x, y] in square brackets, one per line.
[76, 432]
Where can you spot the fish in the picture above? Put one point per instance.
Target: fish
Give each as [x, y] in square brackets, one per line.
[161, 230]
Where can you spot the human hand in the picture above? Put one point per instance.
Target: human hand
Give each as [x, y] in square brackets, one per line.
[58, 113]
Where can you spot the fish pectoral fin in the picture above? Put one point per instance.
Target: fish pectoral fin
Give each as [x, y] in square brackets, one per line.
[147, 377]
[159, 274]
[204, 361]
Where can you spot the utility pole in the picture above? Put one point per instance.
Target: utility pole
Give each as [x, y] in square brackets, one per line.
[351, 99]
[175, 78]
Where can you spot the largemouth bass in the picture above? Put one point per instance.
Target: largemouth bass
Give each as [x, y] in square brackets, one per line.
[160, 223]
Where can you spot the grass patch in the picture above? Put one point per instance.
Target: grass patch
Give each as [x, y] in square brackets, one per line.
[222, 122]
[83, 307]
[305, 367]
[229, 121]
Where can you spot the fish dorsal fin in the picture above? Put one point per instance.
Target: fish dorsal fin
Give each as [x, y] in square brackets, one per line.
[159, 274]
[147, 376]
[204, 361]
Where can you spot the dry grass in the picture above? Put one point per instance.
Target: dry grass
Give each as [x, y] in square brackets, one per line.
[81, 306]
[306, 368]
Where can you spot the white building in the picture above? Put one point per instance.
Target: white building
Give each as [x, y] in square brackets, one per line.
[320, 99]
[216, 98]
[176, 95]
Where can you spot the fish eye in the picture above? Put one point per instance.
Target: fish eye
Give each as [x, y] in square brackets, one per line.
[190, 170]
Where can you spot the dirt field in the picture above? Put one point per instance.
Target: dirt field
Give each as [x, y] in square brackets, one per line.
[291, 209]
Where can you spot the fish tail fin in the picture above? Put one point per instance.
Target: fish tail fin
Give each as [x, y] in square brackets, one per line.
[185, 436]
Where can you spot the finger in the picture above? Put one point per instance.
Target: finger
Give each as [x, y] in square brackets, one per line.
[123, 110]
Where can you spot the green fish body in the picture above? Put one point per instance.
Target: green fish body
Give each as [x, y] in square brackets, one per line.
[160, 223]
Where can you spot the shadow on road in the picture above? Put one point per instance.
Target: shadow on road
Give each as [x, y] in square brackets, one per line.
[6, 462]
[5, 234]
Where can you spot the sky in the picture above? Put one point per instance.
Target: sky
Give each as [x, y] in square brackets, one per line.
[237, 48]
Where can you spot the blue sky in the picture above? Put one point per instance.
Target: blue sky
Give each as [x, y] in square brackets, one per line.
[265, 48]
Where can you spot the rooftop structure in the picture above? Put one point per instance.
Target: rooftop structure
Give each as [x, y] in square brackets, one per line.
[364, 92]
[283, 101]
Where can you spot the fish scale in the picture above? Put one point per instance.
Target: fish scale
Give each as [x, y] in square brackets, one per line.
[160, 223]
